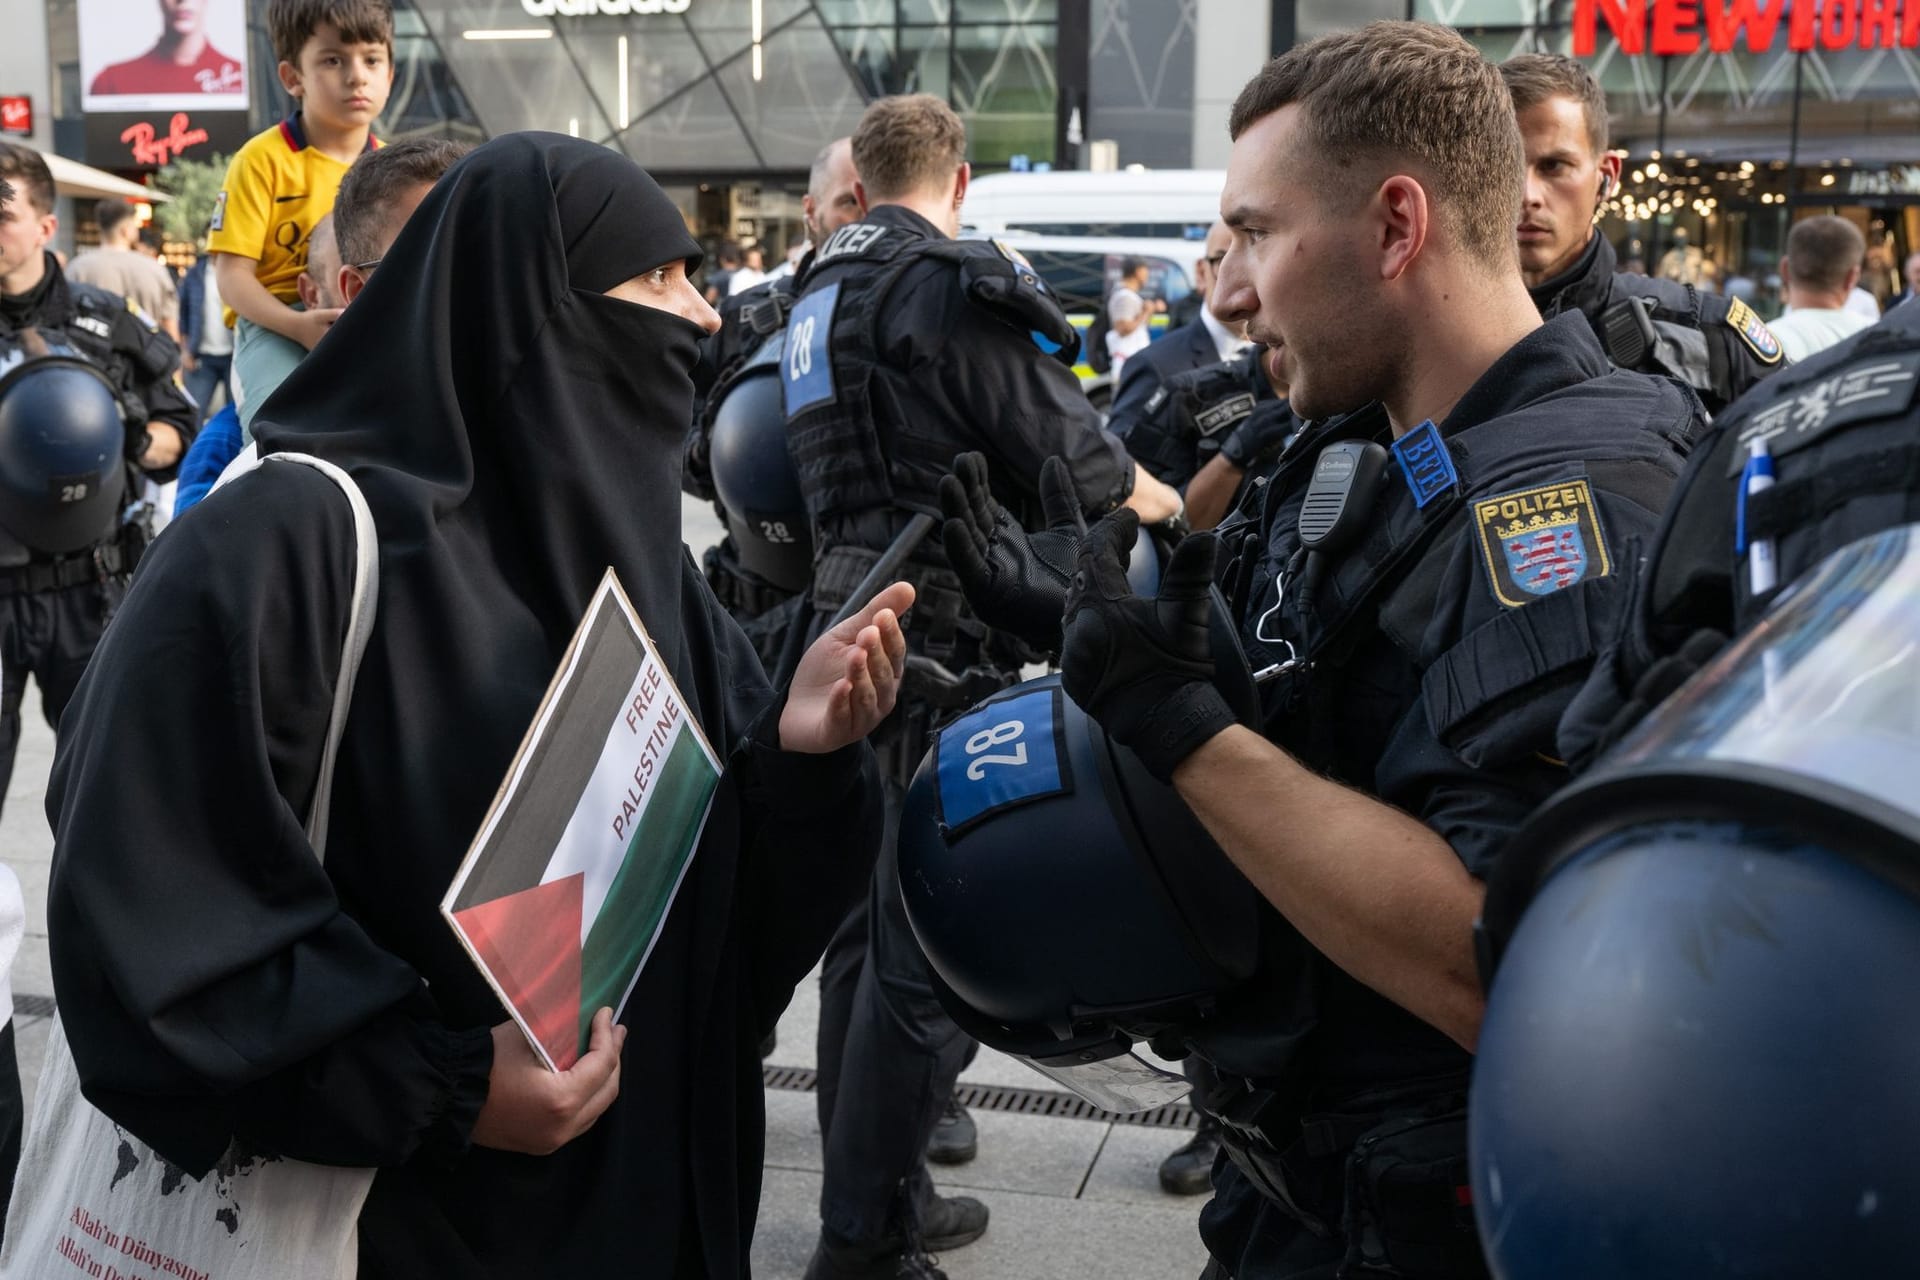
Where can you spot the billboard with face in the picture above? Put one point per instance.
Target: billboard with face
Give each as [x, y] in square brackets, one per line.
[163, 55]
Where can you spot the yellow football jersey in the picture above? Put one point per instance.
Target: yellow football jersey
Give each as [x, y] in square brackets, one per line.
[277, 187]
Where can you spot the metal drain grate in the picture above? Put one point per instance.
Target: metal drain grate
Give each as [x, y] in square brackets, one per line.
[982, 1097]
[1026, 1102]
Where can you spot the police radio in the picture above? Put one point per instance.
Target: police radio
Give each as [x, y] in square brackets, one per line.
[1340, 497]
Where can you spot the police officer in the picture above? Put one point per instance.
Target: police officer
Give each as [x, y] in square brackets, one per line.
[1206, 430]
[1418, 587]
[748, 569]
[905, 348]
[1197, 340]
[55, 602]
[1742, 866]
[1718, 346]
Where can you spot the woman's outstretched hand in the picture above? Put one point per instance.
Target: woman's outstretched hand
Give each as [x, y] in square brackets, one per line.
[848, 679]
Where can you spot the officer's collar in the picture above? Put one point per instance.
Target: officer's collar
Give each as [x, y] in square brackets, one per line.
[47, 303]
[898, 215]
[1561, 353]
[1584, 286]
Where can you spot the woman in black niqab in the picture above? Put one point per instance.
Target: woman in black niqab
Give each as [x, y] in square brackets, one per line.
[515, 431]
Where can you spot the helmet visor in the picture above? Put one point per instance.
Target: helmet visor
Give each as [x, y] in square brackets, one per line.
[1827, 686]
[1122, 1082]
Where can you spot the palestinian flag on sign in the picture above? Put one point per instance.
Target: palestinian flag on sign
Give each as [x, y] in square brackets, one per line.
[570, 879]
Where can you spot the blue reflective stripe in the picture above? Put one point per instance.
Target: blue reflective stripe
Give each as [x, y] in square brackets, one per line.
[806, 371]
[1003, 753]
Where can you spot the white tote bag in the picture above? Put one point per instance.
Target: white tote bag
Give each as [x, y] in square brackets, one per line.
[90, 1199]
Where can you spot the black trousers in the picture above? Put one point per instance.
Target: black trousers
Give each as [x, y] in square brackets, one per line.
[13, 1115]
[50, 635]
[888, 1059]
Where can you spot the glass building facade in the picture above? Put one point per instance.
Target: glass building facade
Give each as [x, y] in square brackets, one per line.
[1733, 146]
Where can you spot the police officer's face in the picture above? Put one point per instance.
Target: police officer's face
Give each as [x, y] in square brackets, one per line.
[668, 289]
[1565, 179]
[24, 233]
[835, 204]
[1297, 272]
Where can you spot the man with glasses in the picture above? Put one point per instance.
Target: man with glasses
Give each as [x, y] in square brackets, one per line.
[378, 195]
[1202, 341]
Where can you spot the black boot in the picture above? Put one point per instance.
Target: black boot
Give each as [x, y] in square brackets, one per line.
[955, 1140]
[1189, 1170]
[952, 1221]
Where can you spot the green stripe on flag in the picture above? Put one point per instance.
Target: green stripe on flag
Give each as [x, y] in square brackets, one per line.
[636, 904]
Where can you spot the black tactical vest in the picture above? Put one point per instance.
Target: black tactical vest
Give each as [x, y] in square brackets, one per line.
[847, 459]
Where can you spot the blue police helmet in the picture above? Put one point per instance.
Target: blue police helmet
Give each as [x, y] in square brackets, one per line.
[62, 453]
[755, 477]
[1061, 894]
[1068, 902]
[1698, 1060]
[1699, 1050]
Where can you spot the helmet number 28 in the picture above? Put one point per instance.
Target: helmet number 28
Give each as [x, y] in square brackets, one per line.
[800, 349]
[1000, 734]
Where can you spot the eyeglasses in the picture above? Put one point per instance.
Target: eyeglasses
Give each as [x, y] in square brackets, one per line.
[364, 267]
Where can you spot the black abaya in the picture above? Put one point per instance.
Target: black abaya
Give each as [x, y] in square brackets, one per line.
[514, 432]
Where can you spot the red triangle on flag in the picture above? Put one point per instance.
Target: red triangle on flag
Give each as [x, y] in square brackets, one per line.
[530, 942]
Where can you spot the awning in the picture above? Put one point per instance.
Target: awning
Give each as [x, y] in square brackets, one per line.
[71, 178]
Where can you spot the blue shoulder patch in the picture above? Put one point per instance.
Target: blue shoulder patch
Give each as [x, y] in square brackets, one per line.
[1425, 462]
[806, 372]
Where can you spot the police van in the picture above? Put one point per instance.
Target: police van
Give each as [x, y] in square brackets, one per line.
[1174, 206]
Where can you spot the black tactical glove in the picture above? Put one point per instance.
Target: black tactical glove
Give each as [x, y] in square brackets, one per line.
[1260, 436]
[1016, 581]
[1143, 667]
[1659, 681]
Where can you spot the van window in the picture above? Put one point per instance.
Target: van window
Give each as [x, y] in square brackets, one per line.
[1081, 279]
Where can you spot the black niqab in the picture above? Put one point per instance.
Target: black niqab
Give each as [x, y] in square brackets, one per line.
[515, 431]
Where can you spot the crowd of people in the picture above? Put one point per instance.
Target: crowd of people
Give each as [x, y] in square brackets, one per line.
[1354, 574]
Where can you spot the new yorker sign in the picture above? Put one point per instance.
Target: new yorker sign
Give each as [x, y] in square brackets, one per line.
[1756, 26]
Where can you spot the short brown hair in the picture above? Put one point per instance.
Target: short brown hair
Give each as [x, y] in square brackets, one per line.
[110, 213]
[1398, 91]
[27, 171]
[291, 23]
[1821, 250]
[1532, 78]
[907, 142]
[361, 207]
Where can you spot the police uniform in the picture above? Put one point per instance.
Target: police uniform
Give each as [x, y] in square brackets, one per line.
[1426, 662]
[1718, 346]
[903, 350]
[751, 323]
[1840, 438]
[54, 608]
[1194, 414]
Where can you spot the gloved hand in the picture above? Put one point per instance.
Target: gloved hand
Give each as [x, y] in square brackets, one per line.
[1143, 667]
[1659, 681]
[1260, 436]
[1015, 581]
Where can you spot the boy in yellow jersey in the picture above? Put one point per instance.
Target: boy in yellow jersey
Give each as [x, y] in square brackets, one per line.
[336, 59]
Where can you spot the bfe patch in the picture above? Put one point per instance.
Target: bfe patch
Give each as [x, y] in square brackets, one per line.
[1541, 540]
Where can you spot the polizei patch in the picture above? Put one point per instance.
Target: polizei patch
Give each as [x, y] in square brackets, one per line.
[1753, 331]
[1541, 540]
